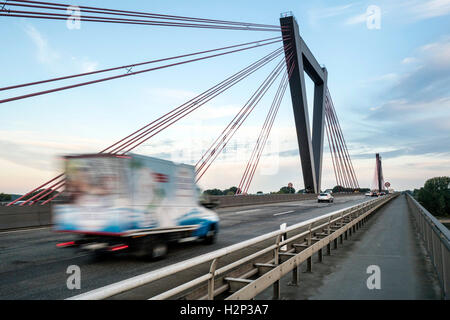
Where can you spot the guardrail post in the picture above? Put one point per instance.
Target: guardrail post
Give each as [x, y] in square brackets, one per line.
[309, 260]
[276, 261]
[329, 226]
[212, 271]
[283, 236]
[295, 276]
[309, 234]
[329, 232]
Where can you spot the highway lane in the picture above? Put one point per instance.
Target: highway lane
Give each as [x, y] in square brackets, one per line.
[31, 267]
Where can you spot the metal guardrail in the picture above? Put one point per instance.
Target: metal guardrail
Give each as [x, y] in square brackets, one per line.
[306, 238]
[437, 242]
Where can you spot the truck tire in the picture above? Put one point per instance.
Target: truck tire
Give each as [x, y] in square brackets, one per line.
[211, 235]
[152, 249]
[158, 250]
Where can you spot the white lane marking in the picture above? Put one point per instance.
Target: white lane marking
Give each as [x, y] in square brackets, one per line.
[245, 211]
[24, 230]
[280, 213]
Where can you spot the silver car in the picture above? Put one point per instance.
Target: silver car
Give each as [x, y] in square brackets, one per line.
[325, 197]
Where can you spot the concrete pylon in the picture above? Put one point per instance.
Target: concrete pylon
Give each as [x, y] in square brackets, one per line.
[310, 150]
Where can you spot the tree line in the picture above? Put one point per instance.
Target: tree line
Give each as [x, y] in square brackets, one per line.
[283, 190]
[435, 196]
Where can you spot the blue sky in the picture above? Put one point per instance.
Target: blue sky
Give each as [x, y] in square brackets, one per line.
[390, 87]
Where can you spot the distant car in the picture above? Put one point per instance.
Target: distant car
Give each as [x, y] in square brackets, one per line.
[382, 193]
[368, 194]
[259, 193]
[374, 194]
[325, 197]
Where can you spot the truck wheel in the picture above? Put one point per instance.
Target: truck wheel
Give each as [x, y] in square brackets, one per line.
[158, 250]
[152, 249]
[211, 235]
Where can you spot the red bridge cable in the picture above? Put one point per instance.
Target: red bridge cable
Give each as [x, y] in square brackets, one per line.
[331, 152]
[237, 121]
[243, 71]
[217, 139]
[214, 94]
[135, 13]
[276, 102]
[336, 149]
[47, 191]
[232, 124]
[221, 136]
[260, 137]
[65, 17]
[345, 144]
[345, 152]
[341, 151]
[27, 194]
[341, 154]
[254, 100]
[128, 74]
[332, 148]
[343, 139]
[266, 59]
[266, 136]
[264, 128]
[131, 65]
[340, 146]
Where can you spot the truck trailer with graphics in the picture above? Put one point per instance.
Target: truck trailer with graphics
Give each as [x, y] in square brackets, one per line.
[134, 203]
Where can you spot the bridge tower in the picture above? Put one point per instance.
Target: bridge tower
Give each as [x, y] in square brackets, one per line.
[310, 151]
[379, 171]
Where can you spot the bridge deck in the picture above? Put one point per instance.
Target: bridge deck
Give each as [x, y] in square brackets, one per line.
[389, 241]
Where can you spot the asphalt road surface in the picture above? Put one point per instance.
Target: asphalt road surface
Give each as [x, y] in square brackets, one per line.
[31, 267]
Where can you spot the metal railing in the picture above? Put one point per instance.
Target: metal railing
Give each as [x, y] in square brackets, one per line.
[305, 239]
[437, 242]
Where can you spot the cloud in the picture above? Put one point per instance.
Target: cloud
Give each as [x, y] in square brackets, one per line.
[411, 116]
[409, 60]
[34, 151]
[357, 19]
[44, 53]
[328, 12]
[430, 9]
[88, 66]
[423, 86]
[54, 59]
[388, 77]
[174, 97]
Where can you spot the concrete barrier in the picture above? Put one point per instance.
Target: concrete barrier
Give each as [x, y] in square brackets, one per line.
[247, 200]
[24, 217]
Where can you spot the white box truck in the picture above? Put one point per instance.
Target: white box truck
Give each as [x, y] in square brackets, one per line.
[133, 202]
